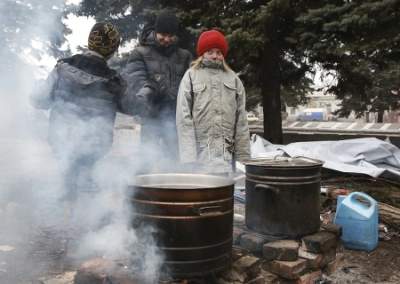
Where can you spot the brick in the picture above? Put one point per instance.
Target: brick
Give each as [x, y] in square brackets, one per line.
[313, 259]
[333, 266]
[238, 252]
[333, 228]
[319, 242]
[286, 269]
[257, 280]
[339, 246]
[252, 243]
[250, 264]
[317, 260]
[286, 250]
[242, 269]
[237, 234]
[327, 257]
[308, 278]
[271, 278]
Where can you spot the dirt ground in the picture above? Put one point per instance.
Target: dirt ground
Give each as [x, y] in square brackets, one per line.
[33, 239]
[378, 266]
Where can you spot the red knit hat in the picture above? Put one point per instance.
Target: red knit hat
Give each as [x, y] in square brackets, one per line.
[211, 39]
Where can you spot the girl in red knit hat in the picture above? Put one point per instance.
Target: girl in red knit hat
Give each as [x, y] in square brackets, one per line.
[211, 117]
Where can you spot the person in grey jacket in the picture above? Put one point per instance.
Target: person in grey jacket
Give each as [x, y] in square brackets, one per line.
[84, 95]
[158, 52]
[211, 117]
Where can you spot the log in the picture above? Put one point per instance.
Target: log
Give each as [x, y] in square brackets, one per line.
[384, 195]
[334, 192]
[389, 215]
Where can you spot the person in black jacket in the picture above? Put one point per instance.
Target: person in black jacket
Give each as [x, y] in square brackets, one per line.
[158, 52]
[84, 95]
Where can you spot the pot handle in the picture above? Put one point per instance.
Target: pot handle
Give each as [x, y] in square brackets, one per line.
[266, 186]
[205, 211]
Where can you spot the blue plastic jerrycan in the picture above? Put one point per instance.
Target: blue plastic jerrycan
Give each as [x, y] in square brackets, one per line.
[359, 222]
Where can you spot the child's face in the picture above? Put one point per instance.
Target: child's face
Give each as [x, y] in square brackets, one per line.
[214, 54]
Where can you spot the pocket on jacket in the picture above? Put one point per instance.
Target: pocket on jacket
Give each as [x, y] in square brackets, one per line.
[198, 97]
[230, 86]
[202, 146]
[228, 149]
[198, 88]
[230, 103]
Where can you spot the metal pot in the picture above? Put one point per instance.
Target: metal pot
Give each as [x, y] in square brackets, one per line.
[283, 196]
[193, 215]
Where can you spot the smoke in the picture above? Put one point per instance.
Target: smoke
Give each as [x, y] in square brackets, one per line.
[32, 209]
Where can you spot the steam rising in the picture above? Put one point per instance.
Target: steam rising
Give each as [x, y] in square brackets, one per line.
[31, 209]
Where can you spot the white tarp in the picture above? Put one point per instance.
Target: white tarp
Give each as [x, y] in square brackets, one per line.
[369, 156]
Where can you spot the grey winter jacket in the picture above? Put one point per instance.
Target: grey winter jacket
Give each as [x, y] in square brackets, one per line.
[211, 119]
[84, 95]
[169, 61]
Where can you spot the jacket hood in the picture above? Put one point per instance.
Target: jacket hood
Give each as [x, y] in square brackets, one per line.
[148, 38]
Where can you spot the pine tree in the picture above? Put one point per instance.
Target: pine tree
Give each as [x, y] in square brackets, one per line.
[360, 42]
[30, 28]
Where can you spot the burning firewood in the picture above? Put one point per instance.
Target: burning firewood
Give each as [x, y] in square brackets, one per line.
[100, 270]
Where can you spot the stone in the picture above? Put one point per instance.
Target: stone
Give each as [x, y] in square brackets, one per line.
[319, 242]
[252, 243]
[286, 250]
[286, 269]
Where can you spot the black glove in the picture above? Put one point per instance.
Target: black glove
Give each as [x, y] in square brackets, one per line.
[169, 93]
[154, 80]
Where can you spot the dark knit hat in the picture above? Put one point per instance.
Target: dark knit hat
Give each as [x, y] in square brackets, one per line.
[166, 23]
[104, 38]
[211, 39]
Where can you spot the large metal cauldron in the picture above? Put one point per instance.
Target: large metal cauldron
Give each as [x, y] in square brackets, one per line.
[193, 215]
[283, 196]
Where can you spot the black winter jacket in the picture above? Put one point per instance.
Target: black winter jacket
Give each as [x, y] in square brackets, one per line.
[84, 95]
[169, 61]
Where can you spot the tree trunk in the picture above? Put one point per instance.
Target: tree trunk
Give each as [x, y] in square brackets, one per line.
[367, 116]
[380, 117]
[270, 89]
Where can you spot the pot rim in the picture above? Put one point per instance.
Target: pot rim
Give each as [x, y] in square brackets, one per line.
[171, 179]
[298, 161]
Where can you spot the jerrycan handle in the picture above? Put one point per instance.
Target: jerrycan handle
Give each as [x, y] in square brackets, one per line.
[354, 195]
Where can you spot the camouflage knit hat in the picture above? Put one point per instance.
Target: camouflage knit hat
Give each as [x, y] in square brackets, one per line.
[104, 38]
